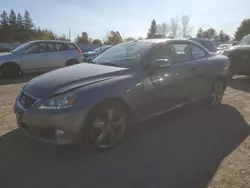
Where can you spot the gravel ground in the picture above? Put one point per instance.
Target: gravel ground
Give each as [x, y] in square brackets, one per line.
[208, 149]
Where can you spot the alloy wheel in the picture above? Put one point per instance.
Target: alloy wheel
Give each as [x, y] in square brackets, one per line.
[108, 127]
[217, 93]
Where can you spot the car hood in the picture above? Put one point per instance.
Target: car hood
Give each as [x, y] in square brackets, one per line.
[240, 47]
[5, 55]
[68, 78]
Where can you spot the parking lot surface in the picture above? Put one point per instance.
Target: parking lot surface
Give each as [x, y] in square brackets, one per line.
[192, 147]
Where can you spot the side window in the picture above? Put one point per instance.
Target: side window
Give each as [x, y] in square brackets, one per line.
[71, 47]
[161, 54]
[50, 47]
[175, 53]
[182, 51]
[60, 47]
[42, 47]
[197, 52]
[32, 49]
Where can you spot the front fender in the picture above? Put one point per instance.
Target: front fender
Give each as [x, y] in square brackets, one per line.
[127, 88]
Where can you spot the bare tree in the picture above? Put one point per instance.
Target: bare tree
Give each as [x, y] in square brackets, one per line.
[163, 29]
[185, 28]
[174, 27]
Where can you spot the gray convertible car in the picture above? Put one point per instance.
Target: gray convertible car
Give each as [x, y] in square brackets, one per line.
[129, 82]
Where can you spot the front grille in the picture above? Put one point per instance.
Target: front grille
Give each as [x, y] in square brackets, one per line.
[26, 100]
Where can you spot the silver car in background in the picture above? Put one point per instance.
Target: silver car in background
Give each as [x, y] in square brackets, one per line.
[40, 56]
[90, 55]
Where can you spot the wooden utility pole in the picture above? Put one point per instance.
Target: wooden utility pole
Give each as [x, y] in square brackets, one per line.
[69, 35]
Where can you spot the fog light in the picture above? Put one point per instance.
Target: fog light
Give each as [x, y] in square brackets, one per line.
[58, 132]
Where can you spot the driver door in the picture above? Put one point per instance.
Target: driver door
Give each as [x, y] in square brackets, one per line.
[168, 87]
[34, 58]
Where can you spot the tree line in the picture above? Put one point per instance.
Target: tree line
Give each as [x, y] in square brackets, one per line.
[174, 28]
[181, 28]
[15, 27]
[112, 37]
[221, 36]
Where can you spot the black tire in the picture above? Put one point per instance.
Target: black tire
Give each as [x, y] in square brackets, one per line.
[11, 69]
[71, 62]
[216, 93]
[100, 131]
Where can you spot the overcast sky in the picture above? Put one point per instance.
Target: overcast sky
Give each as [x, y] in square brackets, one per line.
[129, 17]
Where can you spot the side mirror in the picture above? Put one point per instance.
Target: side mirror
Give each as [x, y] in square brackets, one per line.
[160, 64]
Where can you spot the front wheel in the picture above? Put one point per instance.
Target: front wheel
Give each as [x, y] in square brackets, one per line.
[216, 93]
[106, 126]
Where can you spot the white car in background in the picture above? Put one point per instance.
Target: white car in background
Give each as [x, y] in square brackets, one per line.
[222, 47]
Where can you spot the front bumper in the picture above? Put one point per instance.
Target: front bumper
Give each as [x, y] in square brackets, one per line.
[59, 127]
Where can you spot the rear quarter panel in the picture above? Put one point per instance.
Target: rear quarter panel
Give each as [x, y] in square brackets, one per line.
[216, 66]
[71, 54]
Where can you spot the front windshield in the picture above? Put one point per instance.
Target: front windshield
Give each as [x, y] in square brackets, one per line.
[21, 47]
[105, 48]
[245, 40]
[124, 54]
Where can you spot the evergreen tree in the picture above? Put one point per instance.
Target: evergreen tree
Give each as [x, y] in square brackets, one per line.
[5, 28]
[152, 30]
[222, 37]
[17, 28]
[199, 33]
[20, 28]
[4, 18]
[13, 25]
[28, 26]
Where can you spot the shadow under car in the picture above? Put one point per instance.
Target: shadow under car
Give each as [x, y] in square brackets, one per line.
[182, 148]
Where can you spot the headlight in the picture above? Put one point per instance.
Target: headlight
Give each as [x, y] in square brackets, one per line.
[58, 102]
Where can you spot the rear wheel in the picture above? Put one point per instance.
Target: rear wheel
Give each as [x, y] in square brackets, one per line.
[106, 126]
[216, 93]
[11, 69]
[71, 62]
